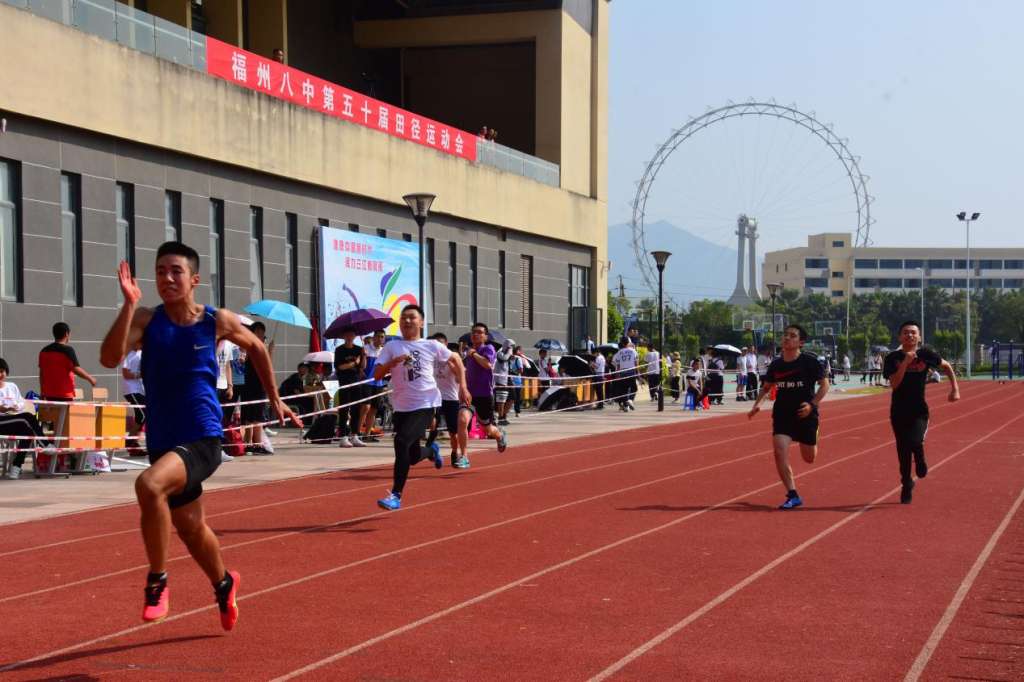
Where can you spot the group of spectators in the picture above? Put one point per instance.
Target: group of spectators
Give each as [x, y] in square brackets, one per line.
[489, 134]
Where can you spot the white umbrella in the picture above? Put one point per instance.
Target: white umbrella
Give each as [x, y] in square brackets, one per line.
[727, 348]
[320, 356]
[247, 321]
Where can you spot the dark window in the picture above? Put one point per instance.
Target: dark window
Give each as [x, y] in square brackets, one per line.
[815, 263]
[890, 263]
[216, 253]
[1013, 283]
[291, 258]
[381, 232]
[986, 283]
[473, 312]
[501, 289]
[992, 265]
[1013, 264]
[786, 266]
[579, 286]
[914, 283]
[406, 237]
[960, 264]
[815, 283]
[890, 283]
[838, 244]
[944, 283]
[124, 205]
[10, 231]
[836, 293]
[353, 227]
[71, 237]
[776, 267]
[959, 283]
[940, 263]
[452, 298]
[323, 222]
[526, 290]
[172, 216]
[911, 263]
[866, 263]
[838, 274]
[255, 254]
[865, 283]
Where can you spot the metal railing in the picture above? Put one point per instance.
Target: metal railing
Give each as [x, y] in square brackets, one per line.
[130, 27]
[513, 161]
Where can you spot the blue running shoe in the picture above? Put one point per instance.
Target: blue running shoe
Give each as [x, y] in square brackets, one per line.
[437, 458]
[392, 502]
[791, 503]
[462, 463]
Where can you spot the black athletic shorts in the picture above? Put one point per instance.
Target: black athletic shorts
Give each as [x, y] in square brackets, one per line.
[801, 430]
[375, 391]
[137, 399]
[484, 408]
[201, 458]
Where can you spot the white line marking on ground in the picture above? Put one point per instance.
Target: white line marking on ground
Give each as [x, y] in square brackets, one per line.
[947, 618]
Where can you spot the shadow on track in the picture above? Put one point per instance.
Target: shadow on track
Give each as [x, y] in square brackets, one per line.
[90, 653]
[346, 527]
[751, 507]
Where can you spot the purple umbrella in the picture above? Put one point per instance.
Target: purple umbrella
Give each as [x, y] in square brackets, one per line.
[362, 320]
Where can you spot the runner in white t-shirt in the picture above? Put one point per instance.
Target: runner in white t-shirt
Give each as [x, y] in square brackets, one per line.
[456, 415]
[412, 363]
[625, 361]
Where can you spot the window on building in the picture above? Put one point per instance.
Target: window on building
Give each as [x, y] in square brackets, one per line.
[865, 263]
[940, 263]
[453, 317]
[501, 289]
[988, 283]
[1013, 264]
[912, 283]
[786, 267]
[958, 283]
[890, 283]
[526, 290]
[838, 244]
[124, 206]
[323, 222]
[353, 227]
[940, 282]
[216, 253]
[291, 258]
[10, 231]
[406, 237]
[815, 263]
[381, 232]
[473, 312]
[837, 293]
[428, 281]
[991, 265]
[579, 286]
[890, 263]
[776, 267]
[911, 263]
[71, 237]
[1015, 283]
[838, 274]
[816, 282]
[865, 282]
[255, 254]
[172, 216]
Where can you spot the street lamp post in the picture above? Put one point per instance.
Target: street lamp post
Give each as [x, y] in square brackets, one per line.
[660, 258]
[773, 290]
[921, 321]
[962, 217]
[419, 204]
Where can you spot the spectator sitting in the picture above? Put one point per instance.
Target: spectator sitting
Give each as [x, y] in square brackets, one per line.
[15, 421]
[296, 385]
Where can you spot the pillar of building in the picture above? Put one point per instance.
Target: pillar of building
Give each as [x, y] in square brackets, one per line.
[268, 27]
[752, 288]
[224, 21]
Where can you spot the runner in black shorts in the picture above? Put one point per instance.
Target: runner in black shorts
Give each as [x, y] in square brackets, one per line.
[907, 371]
[795, 413]
[183, 416]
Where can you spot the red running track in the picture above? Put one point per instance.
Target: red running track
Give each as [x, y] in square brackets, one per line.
[657, 554]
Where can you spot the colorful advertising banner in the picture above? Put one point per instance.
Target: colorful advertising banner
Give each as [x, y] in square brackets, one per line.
[363, 271]
[298, 87]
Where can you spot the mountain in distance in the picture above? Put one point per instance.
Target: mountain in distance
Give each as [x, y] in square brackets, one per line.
[697, 269]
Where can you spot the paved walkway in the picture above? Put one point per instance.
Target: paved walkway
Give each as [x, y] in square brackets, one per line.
[31, 498]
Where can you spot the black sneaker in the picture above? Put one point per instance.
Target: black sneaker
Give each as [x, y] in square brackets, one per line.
[921, 467]
[907, 493]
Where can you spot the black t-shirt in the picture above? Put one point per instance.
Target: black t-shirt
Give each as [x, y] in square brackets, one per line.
[342, 355]
[252, 389]
[908, 399]
[795, 382]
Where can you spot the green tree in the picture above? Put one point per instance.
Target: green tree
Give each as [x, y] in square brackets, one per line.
[614, 317]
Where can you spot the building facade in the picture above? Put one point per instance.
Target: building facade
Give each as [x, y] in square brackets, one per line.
[832, 266]
[119, 136]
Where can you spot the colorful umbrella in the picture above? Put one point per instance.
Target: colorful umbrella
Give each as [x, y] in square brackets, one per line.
[362, 320]
[279, 311]
[551, 345]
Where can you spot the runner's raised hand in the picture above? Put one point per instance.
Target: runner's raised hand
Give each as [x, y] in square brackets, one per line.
[130, 289]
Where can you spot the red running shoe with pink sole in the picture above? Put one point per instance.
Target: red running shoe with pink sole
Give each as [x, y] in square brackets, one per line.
[227, 603]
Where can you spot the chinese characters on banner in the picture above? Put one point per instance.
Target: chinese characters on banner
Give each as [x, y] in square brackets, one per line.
[278, 80]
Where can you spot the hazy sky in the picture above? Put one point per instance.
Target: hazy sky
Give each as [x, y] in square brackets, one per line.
[929, 94]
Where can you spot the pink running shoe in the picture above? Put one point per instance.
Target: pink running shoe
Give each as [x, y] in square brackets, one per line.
[226, 601]
[158, 602]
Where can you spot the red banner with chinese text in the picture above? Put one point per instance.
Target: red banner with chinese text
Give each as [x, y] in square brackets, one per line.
[278, 80]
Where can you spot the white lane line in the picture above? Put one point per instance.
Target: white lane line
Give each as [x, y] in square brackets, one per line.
[381, 514]
[599, 550]
[767, 568]
[958, 599]
[103, 638]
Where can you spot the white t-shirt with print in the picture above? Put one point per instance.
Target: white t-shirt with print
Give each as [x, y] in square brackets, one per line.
[626, 358]
[651, 361]
[751, 363]
[225, 354]
[446, 381]
[132, 363]
[413, 384]
[763, 360]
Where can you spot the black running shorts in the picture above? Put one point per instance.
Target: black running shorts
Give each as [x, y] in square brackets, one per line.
[484, 408]
[800, 430]
[201, 458]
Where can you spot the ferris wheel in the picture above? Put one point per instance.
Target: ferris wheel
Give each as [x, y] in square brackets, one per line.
[776, 164]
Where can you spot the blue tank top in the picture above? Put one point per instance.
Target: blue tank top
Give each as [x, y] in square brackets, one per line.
[179, 371]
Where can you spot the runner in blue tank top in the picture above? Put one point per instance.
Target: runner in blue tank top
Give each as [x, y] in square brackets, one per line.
[183, 416]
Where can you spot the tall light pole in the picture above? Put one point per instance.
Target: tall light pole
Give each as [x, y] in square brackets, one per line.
[419, 204]
[660, 258]
[773, 290]
[962, 217]
[921, 321]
